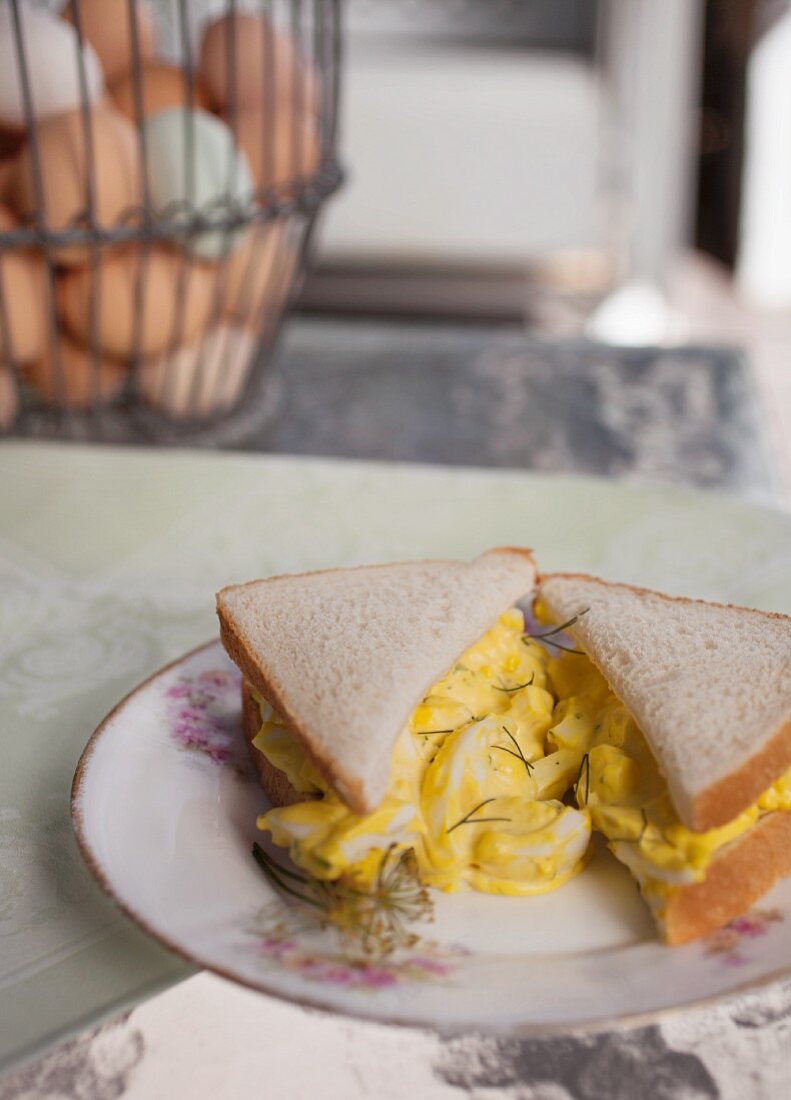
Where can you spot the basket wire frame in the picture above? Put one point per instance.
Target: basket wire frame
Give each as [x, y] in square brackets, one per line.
[279, 219]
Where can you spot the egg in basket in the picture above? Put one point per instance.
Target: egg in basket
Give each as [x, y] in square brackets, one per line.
[158, 182]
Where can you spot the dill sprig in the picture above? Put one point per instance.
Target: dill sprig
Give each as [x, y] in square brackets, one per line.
[518, 754]
[470, 720]
[630, 839]
[469, 820]
[376, 918]
[279, 875]
[548, 635]
[584, 765]
[656, 842]
[518, 687]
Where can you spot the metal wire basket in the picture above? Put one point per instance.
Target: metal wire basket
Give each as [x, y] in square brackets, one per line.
[162, 165]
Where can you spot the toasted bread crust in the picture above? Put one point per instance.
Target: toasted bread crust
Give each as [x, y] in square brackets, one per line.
[347, 787]
[738, 876]
[275, 783]
[733, 793]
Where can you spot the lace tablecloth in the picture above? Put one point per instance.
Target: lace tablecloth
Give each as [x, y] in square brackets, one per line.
[108, 560]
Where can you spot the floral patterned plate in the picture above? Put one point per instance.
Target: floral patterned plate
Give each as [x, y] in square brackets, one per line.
[164, 806]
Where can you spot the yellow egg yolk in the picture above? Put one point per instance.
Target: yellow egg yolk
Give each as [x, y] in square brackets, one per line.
[497, 780]
[626, 795]
[475, 788]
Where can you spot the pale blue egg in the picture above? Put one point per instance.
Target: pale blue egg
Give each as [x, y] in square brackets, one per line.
[194, 166]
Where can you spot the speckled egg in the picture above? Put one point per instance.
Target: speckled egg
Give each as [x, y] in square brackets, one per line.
[161, 86]
[106, 24]
[53, 68]
[218, 184]
[266, 64]
[25, 297]
[204, 378]
[68, 377]
[62, 153]
[176, 302]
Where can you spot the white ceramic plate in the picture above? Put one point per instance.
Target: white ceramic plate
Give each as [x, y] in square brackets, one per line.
[165, 806]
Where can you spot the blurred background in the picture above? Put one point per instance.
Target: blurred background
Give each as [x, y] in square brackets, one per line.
[546, 235]
[617, 169]
[615, 172]
[563, 148]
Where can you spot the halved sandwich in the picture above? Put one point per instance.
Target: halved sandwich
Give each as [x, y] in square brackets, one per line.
[687, 761]
[414, 706]
[398, 704]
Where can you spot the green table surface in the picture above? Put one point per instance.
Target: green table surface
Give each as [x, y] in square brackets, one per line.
[109, 560]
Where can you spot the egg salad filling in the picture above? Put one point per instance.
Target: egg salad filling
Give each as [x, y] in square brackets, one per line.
[476, 787]
[622, 788]
[498, 779]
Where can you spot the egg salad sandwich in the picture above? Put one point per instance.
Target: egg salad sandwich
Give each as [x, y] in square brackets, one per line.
[488, 726]
[686, 769]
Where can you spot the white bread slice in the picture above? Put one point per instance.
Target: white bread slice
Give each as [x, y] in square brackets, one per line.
[345, 655]
[708, 684]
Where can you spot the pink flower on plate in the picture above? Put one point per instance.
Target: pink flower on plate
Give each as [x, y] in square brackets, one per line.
[726, 942]
[204, 713]
[430, 966]
[177, 691]
[376, 977]
[338, 975]
[746, 926]
[219, 678]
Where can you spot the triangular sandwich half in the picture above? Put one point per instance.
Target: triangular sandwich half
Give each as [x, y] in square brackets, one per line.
[344, 656]
[709, 686]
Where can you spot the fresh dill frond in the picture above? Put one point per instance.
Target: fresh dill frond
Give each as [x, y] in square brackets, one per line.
[559, 629]
[547, 636]
[471, 719]
[584, 766]
[630, 839]
[518, 687]
[518, 754]
[375, 919]
[469, 820]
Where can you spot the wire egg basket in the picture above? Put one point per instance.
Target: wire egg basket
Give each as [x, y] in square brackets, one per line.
[162, 165]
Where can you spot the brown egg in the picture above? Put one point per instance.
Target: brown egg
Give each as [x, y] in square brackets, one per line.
[161, 86]
[107, 26]
[69, 379]
[7, 165]
[11, 142]
[266, 62]
[290, 153]
[120, 332]
[258, 275]
[62, 154]
[202, 378]
[25, 298]
[9, 398]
